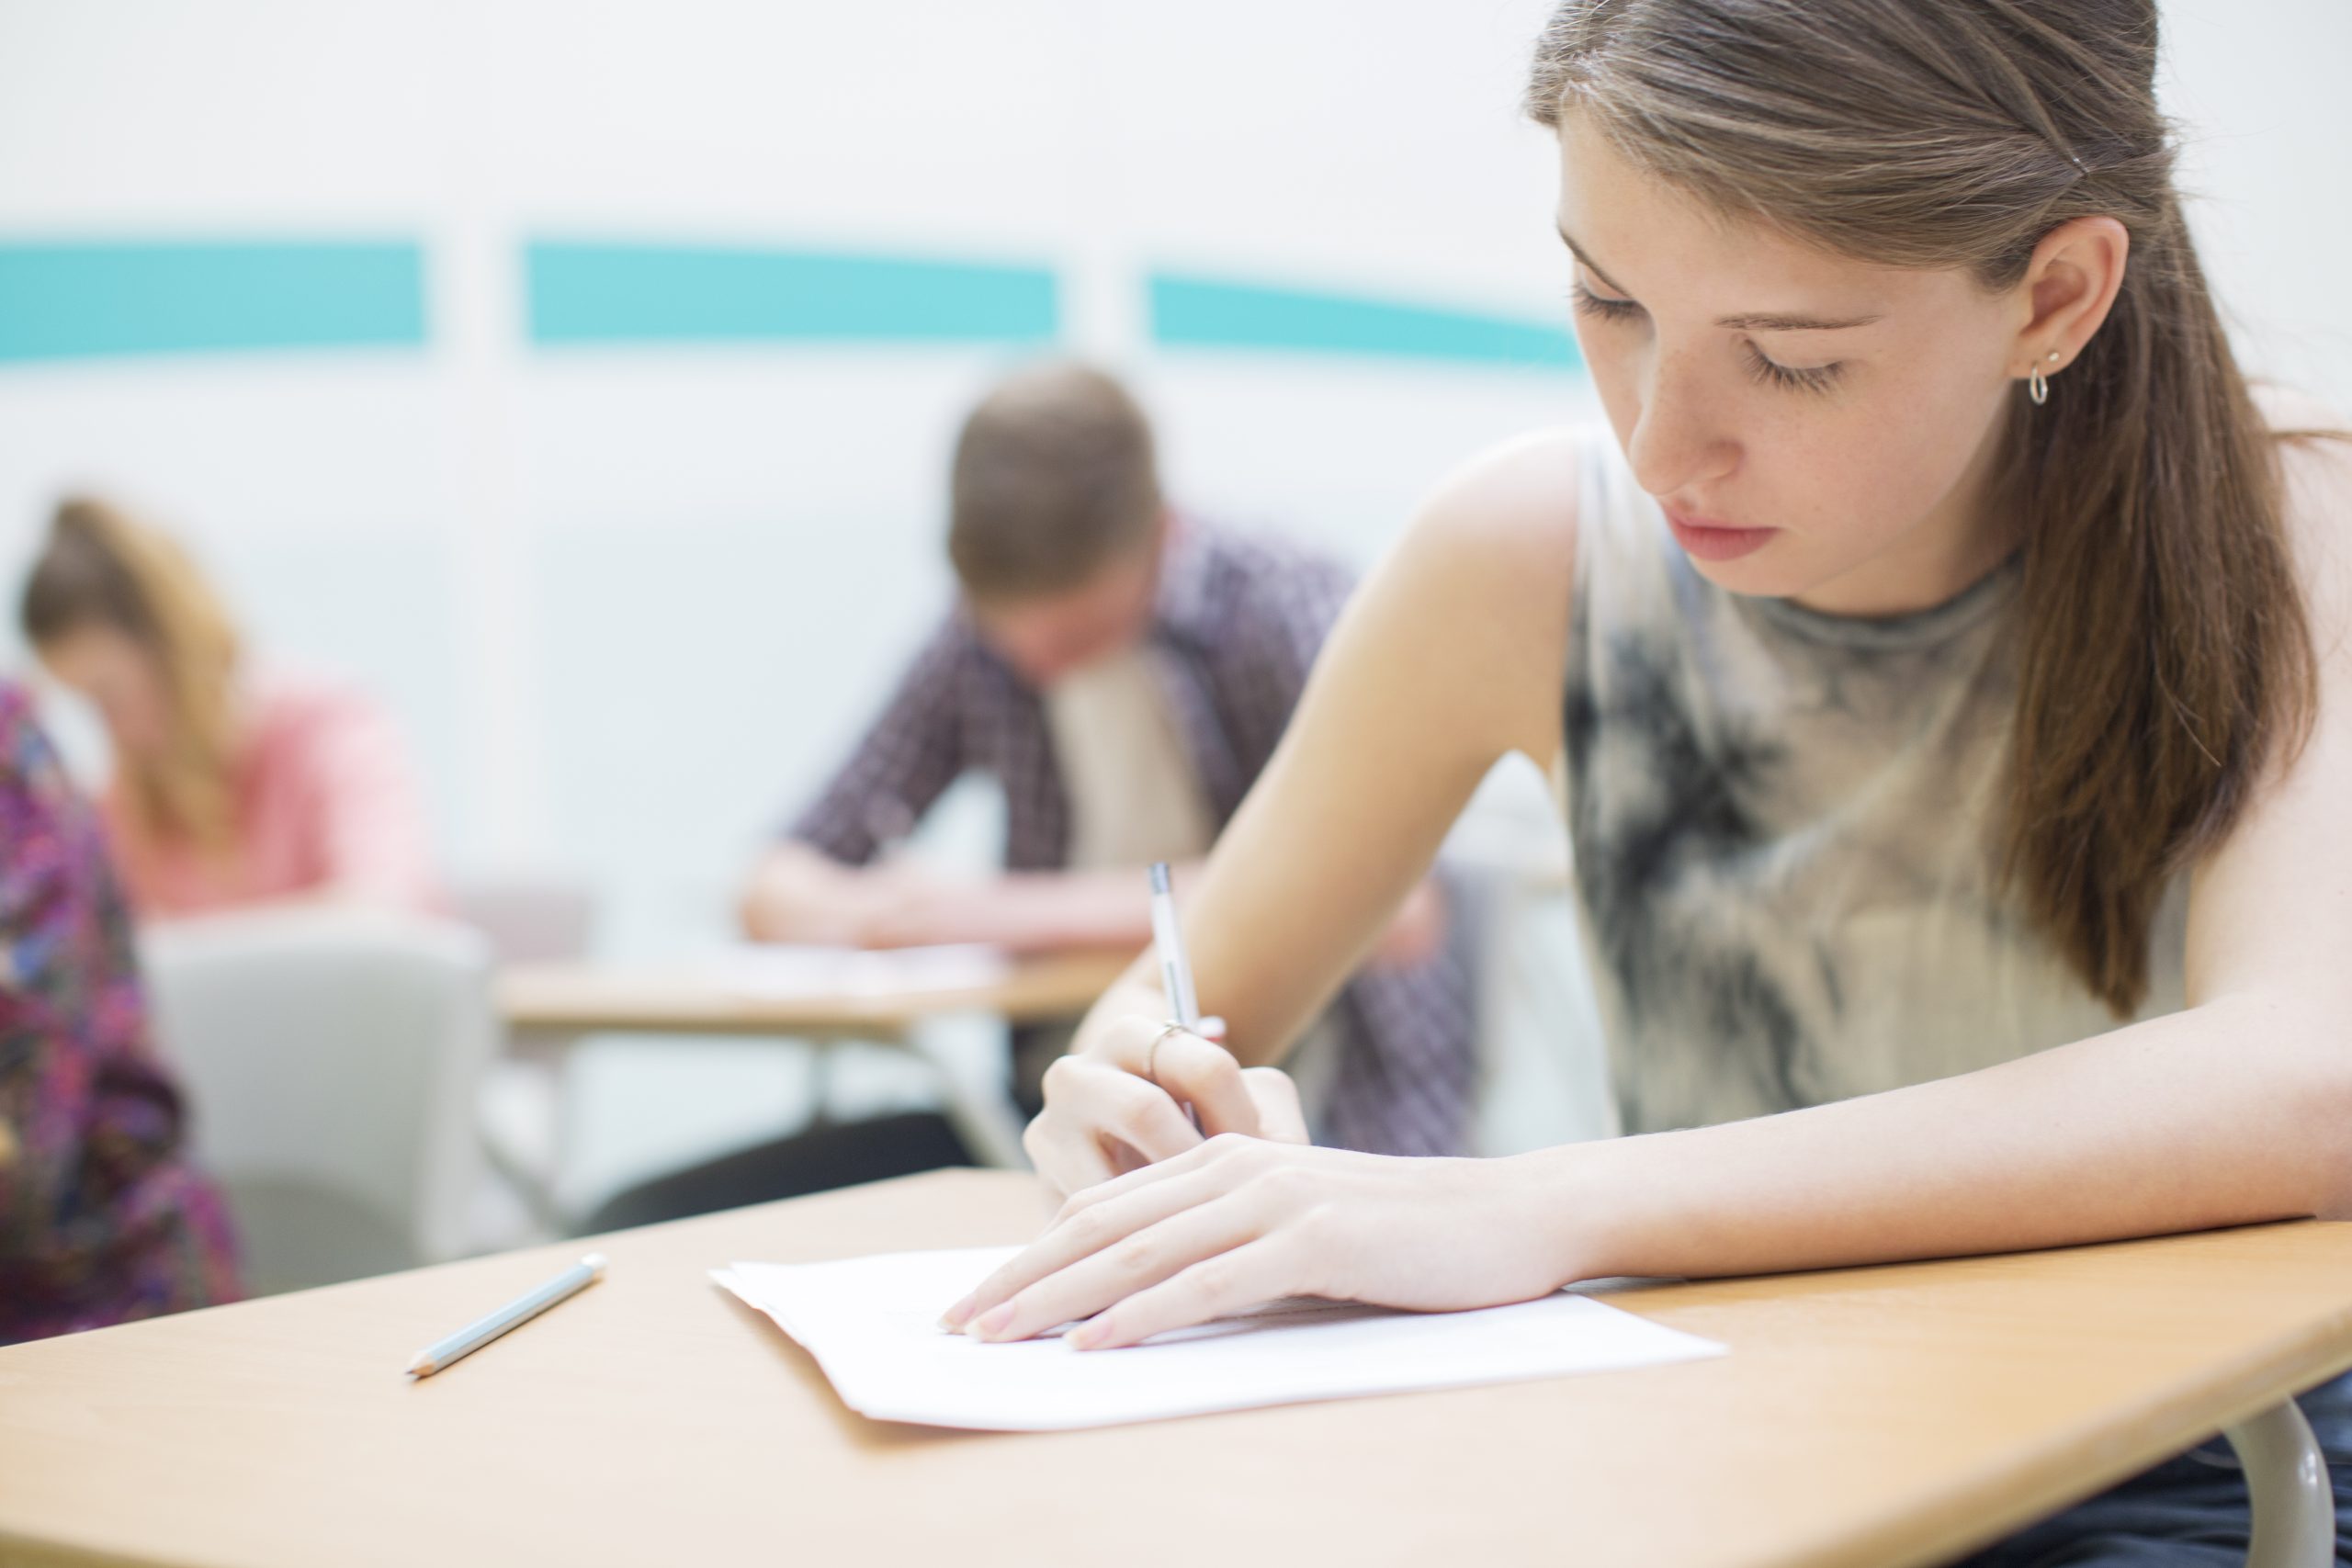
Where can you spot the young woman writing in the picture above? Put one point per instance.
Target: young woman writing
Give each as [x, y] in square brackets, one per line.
[1949, 659]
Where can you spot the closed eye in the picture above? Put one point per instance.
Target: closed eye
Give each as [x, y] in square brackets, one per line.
[1790, 378]
[1602, 307]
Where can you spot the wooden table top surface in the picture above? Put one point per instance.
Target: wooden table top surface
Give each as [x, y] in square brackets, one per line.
[1884, 1415]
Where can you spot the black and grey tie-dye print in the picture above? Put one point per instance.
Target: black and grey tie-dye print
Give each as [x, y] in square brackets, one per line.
[1781, 822]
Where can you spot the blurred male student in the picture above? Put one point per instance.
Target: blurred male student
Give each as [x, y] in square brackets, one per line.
[1124, 670]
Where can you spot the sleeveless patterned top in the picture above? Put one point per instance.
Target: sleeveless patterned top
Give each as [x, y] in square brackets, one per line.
[1782, 823]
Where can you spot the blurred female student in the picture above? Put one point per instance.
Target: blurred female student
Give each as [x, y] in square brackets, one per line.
[101, 1218]
[1948, 657]
[232, 787]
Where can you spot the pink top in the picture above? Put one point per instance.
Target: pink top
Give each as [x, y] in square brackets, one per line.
[325, 800]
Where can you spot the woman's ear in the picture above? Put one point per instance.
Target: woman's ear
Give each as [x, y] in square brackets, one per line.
[2069, 285]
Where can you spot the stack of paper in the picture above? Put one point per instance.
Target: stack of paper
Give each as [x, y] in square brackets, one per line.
[872, 1326]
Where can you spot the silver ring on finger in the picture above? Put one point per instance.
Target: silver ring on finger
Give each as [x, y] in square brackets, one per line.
[1151, 1056]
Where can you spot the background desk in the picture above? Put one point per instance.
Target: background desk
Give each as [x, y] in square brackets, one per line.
[1867, 1416]
[582, 999]
[547, 1006]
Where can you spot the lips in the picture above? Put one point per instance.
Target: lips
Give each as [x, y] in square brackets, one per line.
[1713, 541]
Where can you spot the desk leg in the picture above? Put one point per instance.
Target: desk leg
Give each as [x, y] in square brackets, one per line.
[2286, 1477]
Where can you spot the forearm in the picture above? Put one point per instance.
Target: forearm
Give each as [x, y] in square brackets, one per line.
[1046, 911]
[795, 894]
[2229, 1113]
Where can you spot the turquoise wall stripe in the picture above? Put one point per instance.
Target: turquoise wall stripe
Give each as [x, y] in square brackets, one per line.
[74, 300]
[1202, 312]
[583, 292]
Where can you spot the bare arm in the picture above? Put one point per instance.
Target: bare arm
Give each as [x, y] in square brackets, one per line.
[1451, 656]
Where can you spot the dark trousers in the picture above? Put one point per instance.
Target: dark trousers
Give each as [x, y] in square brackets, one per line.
[834, 1154]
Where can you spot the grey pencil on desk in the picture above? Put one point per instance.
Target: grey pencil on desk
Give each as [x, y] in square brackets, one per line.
[521, 1310]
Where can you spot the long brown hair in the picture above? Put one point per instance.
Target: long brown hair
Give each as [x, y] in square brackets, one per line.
[101, 568]
[2164, 657]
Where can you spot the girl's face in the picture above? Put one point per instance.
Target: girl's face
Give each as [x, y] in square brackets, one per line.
[118, 676]
[1815, 427]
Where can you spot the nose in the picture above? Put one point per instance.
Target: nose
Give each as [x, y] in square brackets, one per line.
[1676, 441]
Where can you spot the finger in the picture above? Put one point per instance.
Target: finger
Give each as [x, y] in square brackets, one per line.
[1099, 1123]
[1281, 1118]
[1129, 1110]
[1137, 1261]
[1198, 1072]
[1222, 1149]
[1069, 1157]
[1136, 1199]
[1207, 1077]
[1216, 1286]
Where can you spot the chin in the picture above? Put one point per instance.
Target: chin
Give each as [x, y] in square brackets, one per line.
[1759, 576]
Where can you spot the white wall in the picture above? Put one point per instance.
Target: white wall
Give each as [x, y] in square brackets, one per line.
[629, 603]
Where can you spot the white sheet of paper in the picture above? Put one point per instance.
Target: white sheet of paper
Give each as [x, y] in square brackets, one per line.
[787, 971]
[872, 1326]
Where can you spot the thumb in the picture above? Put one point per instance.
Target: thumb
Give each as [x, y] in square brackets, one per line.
[1281, 1118]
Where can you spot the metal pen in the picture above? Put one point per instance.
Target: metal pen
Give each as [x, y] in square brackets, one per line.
[1175, 970]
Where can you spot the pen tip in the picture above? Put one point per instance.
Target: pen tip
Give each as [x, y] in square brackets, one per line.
[1158, 876]
[421, 1367]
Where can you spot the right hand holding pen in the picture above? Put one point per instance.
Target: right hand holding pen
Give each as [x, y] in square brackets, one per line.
[1118, 1105]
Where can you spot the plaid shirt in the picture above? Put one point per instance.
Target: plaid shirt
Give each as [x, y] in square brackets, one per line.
[1237, 624]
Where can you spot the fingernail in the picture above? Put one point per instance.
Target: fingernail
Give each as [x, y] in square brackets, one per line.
[995, 1321]
[954, 1316]
[1088, 1335]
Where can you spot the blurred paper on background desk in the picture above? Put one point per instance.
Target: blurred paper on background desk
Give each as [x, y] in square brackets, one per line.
[777, 972]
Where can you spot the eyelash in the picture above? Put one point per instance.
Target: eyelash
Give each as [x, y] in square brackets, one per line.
[1602, 308]
[1792, 378]
[1765, 371]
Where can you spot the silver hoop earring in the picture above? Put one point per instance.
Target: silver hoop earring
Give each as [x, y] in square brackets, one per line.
[2037, 385]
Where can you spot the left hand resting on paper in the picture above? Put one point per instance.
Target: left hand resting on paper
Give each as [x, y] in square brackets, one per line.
[1242, 1221]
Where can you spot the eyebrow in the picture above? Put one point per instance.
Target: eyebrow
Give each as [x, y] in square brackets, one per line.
[1757, 322]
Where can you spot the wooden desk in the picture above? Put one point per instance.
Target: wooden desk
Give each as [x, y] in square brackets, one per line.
[582, 999]
[547, 1007]
[1869, 1416]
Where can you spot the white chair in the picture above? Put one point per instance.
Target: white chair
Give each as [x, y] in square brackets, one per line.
[331, 1059]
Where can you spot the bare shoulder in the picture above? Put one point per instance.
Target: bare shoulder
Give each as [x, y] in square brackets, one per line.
[1495, 540]
[1479, 586]
[2315, 492]
[1509, 510]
